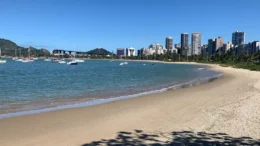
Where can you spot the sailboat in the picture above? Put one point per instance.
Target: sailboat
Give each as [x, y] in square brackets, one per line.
[35, 56]
[46, 58]
[15, 58]
[26, 60]
[19, 59]
[73, 62]
[112, 57]
[2, 61]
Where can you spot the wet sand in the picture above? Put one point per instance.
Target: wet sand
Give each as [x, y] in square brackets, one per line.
[228, 105]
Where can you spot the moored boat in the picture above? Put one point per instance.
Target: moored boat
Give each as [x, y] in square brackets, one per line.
[72, 63]
[61, 61]
[2, 61]
[79, 60]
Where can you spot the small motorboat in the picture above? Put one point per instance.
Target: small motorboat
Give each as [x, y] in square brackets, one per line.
[61, 61]
[47, 59]
[15, 58]
[72, 63]
[26, 60]
[19, 59]
[79, 60]
[3, 61]
[55, 60]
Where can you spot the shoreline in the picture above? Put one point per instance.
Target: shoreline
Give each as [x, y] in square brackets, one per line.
[92, 102]
[229, 105]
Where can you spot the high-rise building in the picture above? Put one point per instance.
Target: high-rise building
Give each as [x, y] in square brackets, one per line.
[253, 47]
[238, 38]
[219, 44]
[215, 45]
[130, 51]
[204, 50]
[120, 52]
[157, 48]
[211, 46]
[140, 52]
[196, 43]
[184, 43]
[169, 43]
[227, 47]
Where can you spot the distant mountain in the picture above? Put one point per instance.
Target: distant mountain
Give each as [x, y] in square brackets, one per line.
[8, 48]
[99, 51]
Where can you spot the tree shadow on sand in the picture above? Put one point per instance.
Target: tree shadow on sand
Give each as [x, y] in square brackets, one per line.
[183, 138]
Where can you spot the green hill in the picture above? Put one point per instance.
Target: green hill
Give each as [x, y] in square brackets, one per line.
[99, 51]
[8, 48]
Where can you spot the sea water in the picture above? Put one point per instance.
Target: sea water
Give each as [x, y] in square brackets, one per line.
[38, 86]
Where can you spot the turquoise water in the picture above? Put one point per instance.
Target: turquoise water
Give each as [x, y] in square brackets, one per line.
[40, 85]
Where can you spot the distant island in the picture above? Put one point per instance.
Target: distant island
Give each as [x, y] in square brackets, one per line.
[9, 48]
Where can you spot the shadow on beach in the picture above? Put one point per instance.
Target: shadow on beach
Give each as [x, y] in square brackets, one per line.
[183, 138]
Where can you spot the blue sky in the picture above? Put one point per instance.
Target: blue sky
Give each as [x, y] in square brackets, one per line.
[111, 24]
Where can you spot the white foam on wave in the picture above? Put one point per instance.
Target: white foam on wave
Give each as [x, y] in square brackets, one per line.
[101, 101]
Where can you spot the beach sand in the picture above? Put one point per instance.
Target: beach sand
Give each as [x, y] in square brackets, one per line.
[230, 105]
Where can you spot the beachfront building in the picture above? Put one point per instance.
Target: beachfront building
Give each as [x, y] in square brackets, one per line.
[147, 51]
[196, 43]
[211, 46]
[140, 52]
[169, 43]
[253, 47]
[174, 51]
[120, 52]
[157, 48]
[238, 38]
[219, 45]
[204, 50]
[130, 52]
[227, 47]
[184, 43]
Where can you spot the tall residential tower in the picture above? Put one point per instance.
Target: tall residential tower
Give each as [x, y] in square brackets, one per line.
[184, 43]
[238, 38]
[196, 43]
[169, 43]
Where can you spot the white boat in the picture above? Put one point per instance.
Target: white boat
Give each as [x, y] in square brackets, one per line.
[121, 63]
[27, 60]
[19, 59]
[61, 62]
[47, 59]
[2, 61]
[72, 63]
[125, 62]
[79, 60]
[15, 58]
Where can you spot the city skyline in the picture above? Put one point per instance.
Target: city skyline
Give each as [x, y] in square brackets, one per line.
[61, 25]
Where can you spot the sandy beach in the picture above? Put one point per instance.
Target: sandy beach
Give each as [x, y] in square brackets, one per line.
[225, 110]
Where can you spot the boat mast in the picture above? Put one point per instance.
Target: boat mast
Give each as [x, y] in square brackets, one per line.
[20, 52]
